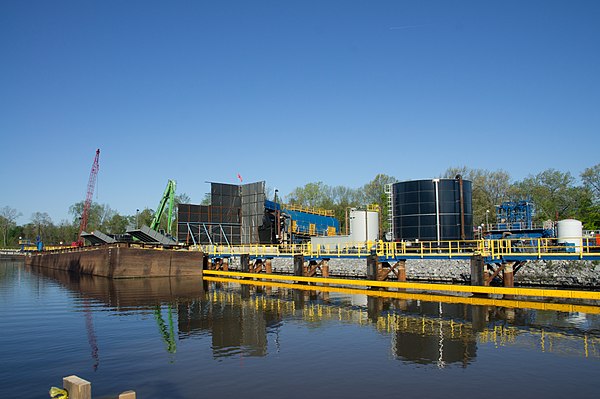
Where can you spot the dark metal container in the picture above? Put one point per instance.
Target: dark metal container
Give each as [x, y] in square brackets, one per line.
[432, 210]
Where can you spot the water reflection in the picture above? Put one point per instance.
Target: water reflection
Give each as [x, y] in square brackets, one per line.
[428, 332]
[244, 319]
[235, 325]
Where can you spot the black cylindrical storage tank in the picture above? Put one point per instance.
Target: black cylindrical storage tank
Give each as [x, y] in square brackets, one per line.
[432, 210]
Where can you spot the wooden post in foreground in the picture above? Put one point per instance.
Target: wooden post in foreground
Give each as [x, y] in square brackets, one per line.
[245, 262]
[268, 266]
[325, 268]
[402, 270]
[78, 388]
[477, 269]
[225, 264]
[372, 271]
[508, 275]
[299, 265]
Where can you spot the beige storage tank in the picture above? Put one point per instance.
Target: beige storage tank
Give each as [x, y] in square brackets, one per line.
[364, 225]
[570, 231]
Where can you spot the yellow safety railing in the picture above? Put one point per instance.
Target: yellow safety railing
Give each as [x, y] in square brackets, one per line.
[315, 211]
[538, 248]
[543, 247]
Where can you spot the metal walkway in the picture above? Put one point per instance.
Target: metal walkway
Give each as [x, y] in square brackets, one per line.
[491, 250]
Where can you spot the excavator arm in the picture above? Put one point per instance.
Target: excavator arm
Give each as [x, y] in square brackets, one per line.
[168, 197]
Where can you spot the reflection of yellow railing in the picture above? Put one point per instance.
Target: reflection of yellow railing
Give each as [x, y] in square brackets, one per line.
[315, 211]
[468, 289]
[390, 322]
[494, 249]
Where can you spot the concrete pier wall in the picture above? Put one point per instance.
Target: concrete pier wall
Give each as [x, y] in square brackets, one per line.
[121, 261]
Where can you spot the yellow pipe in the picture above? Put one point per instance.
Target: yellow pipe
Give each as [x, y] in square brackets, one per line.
[507, 303]
[536, 292]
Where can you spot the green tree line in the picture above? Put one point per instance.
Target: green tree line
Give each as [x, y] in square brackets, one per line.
[100, 217]
[556, 195]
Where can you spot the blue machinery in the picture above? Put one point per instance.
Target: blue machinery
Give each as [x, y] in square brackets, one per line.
[294, 224]
[514, 219]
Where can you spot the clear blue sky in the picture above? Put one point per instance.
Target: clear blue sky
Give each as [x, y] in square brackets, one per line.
[289, 92]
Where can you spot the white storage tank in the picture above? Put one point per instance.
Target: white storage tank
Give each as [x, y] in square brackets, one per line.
[570, 232]
[364, 225]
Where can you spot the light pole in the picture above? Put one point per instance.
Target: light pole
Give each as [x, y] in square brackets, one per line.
[137, 211]
[487, 225]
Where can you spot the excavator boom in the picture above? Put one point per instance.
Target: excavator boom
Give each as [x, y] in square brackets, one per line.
[167, 198]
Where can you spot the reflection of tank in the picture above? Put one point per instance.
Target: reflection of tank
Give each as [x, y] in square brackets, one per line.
[235, 326]
[234, 330]
[570, 233]
[440, 349]
[431, 338]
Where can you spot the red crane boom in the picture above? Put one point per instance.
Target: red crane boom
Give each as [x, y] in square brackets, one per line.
[88, 199]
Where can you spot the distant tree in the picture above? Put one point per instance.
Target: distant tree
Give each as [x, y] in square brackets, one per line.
[311, 195]
[42, 222]
[8, 218]
[206, 200]
[340, 198]
[145, 217]
[182, 198]
[490, 188]
[65, 232]
[554, 194]
[374, 193]
[589, 198]
[99, 215]
[588, 210]
[591, 180]
[117, 224]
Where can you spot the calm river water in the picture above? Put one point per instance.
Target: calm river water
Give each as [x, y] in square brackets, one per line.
[188, 338]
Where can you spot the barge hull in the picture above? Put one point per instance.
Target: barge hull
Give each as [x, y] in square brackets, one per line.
[121, 261]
